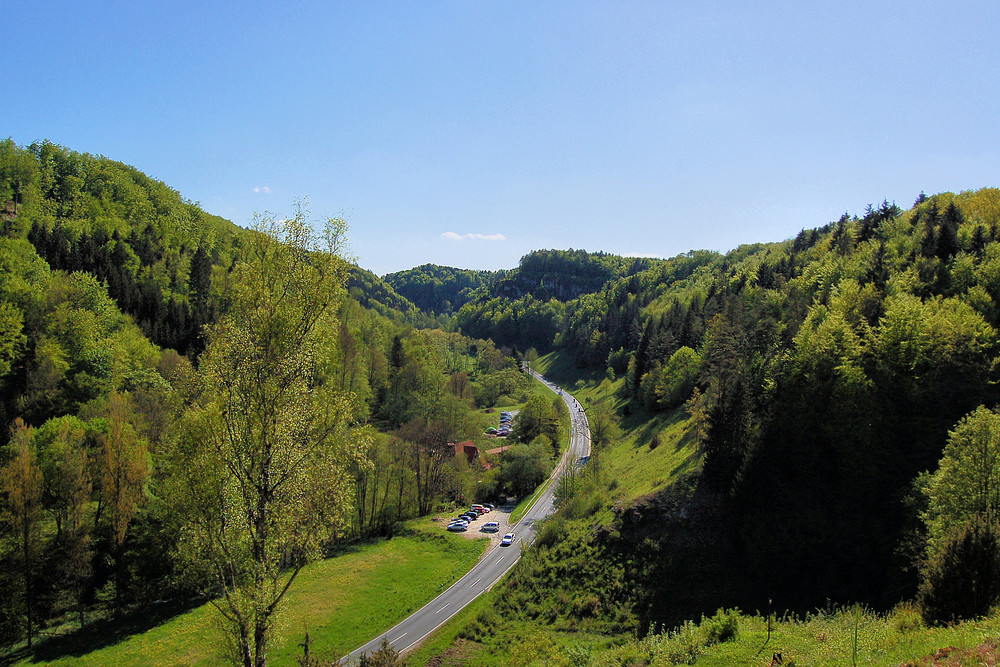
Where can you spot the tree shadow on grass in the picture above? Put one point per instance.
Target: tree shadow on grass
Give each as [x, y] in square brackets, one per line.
[99, 634]
[105, 632]
[647, 425]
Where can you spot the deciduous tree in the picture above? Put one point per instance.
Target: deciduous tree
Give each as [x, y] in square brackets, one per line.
[21, 486]
[123, 468]
[967, 481]
[263, 467]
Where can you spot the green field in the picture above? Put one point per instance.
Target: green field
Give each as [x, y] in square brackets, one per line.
[342, 601]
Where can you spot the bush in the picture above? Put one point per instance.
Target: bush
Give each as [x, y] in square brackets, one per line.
[583, 506]
[906, 618]
[722, 627]
[681, 646]
[962, 580]
[385, 656]
[553, 531]
[482, 627]
[578, 655]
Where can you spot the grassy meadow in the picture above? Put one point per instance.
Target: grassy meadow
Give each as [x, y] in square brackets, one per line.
[342, 602]
[651, 452]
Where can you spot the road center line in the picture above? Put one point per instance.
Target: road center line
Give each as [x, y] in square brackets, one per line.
[442, 608]
[398, 638]
[475, 582]
[499, 559]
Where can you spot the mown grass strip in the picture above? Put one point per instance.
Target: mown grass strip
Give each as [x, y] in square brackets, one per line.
[565, 428]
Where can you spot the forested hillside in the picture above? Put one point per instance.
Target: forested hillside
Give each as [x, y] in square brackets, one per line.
[820, 378]
[527, 306]
[439, 289]
[146, 347]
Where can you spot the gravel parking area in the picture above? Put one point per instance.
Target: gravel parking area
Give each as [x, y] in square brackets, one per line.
[500, 514]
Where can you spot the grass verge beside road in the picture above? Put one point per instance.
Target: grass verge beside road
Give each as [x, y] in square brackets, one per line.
[522, 507]
[564, 435]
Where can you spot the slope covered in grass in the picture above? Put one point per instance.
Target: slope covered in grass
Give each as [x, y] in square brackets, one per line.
[342, 602]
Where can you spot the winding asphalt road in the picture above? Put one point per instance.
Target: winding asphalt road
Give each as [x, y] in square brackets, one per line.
[412, 630]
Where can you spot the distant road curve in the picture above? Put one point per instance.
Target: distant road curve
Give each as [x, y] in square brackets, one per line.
[415, 628]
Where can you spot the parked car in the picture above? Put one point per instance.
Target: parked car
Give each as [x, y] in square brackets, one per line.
[469, 516]
[507, 540]
[482, 509]
[457, 527]
[491, 527]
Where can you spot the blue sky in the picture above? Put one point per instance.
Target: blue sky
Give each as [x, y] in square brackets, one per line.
[470, 133]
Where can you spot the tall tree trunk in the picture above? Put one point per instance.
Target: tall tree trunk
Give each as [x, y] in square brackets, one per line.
[260, 642]
[28, 598]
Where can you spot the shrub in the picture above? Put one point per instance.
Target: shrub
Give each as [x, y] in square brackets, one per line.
[578, 655]
[385, 656]
[553, 531]
[722, 627]
[906, 618]
[482, 627]
[962, 579]
[681, 646]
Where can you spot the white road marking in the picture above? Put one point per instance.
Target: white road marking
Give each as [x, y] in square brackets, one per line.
[475, 582]
[499, 559]
[398, 638]
[441, 609]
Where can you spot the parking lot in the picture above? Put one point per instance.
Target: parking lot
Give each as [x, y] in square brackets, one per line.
[500, 514]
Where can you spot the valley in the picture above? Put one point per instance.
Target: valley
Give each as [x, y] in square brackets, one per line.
[221, 438]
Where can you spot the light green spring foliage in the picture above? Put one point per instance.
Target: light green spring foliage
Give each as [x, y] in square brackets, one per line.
[967, 481]
[677, 377]
[267, 455]
[12, 338]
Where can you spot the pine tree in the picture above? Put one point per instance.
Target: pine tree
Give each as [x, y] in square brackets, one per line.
[947, 238]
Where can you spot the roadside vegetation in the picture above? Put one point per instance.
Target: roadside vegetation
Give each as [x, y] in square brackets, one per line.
[843, 636]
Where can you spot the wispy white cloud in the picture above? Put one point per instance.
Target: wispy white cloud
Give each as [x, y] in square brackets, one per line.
[639, 254]
[262, 189]
[482, 237]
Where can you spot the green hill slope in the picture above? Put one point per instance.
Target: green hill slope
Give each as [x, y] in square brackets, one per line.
[439, 289]
[777, 406]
